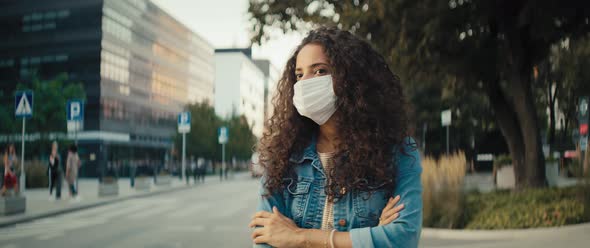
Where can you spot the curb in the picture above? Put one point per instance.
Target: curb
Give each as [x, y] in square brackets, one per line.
[462, 234]
[88, 206]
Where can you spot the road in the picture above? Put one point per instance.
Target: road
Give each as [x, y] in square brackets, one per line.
[213, 214]
[216, 214]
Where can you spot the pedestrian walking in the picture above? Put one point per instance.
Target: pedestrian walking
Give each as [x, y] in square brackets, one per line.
[221, 168]
[337, 157]
[194, 169]
[55, 172]
[10, 163]
[187, 173]
[132, 172]
[72, 165]
[201, 168]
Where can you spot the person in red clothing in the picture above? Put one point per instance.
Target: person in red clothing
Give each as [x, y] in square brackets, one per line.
[10, 161]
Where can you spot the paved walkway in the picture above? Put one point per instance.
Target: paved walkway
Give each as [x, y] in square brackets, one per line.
[484, 182]
[566, 236]
[40, 204]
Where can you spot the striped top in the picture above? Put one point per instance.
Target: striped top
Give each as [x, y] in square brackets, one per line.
[328, 213]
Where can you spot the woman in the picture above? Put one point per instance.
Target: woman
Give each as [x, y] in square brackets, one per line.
[72, 165]
[336, 152]
[10, 179]
[55, 172]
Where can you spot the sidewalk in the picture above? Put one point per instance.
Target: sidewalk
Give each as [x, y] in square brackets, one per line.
[39, 204]
[506, 234]
[564, 236]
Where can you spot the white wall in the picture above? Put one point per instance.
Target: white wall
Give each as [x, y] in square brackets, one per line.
[239, 87]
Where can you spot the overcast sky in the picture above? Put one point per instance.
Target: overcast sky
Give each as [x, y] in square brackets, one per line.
[225, 24]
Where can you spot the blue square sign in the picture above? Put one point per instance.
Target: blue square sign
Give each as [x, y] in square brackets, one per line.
[184, 122]
[75, 110]
[23, 104]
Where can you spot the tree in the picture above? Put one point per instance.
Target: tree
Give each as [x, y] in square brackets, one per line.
[489, 46]
[49, 109]
[202, 139]
[569, 63]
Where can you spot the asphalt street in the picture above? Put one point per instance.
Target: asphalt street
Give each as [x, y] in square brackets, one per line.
[216, 214]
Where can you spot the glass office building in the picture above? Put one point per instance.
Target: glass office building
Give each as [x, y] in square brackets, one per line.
[139, 67]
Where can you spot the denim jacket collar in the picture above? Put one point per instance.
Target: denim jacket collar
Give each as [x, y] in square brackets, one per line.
[309, 153]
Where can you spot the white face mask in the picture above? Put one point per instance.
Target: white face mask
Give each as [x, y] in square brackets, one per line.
[314, 98]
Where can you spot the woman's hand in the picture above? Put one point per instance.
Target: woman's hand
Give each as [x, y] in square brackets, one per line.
[390, 212]
[275, 229]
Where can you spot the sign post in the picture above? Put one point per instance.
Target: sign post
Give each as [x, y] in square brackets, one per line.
[583, 130]
[23, 107]
[223, 136]
[75, 117]
[445, 119]
[184, 126]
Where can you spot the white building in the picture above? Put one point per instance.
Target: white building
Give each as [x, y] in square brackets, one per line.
[239, 87]
[271, 73]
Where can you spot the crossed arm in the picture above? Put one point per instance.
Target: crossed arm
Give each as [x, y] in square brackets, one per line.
[402, 228]
[280, 231]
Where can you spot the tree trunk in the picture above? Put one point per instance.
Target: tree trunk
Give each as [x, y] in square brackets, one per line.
[518, 75]
[509, 126]
[526, 114]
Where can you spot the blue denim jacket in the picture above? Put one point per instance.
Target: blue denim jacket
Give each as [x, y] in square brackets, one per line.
[303, 201]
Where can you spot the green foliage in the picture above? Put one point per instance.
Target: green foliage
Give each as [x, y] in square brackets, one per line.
[502, 160]
[49, 111]
[475, 57]
[36, 174]
[49, 107]
[528, 209]
[446, 210]
[202, 139]
[242, 140]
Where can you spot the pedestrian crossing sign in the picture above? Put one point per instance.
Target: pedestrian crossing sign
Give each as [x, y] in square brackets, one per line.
[23, 104]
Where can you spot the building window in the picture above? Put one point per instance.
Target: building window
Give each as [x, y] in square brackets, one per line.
[39, 21]
[116, 68]
[61, 57]
[116, 29]
[50, 15]
[63, 13]
[6, 62]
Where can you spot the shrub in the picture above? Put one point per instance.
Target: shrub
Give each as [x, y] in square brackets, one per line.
[502, 160]
[527, 209]
[443, 197]
[36, 174]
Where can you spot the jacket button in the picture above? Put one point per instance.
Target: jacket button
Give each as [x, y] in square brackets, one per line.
[342, 222]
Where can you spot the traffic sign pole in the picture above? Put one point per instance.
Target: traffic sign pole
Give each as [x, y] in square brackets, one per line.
[583, 130]
[183, 156]
[184, 126]
[24, 109]
[445, 119]
[447, 140]
[223, 166]
[22, 161]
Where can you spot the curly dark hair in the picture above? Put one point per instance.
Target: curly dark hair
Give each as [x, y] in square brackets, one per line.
[371, 114]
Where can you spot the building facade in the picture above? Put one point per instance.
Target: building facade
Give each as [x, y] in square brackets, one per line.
[271, 75]
[239, 85]
[139, 67]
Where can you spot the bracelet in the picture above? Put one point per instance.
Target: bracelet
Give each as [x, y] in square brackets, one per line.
[332, 238]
